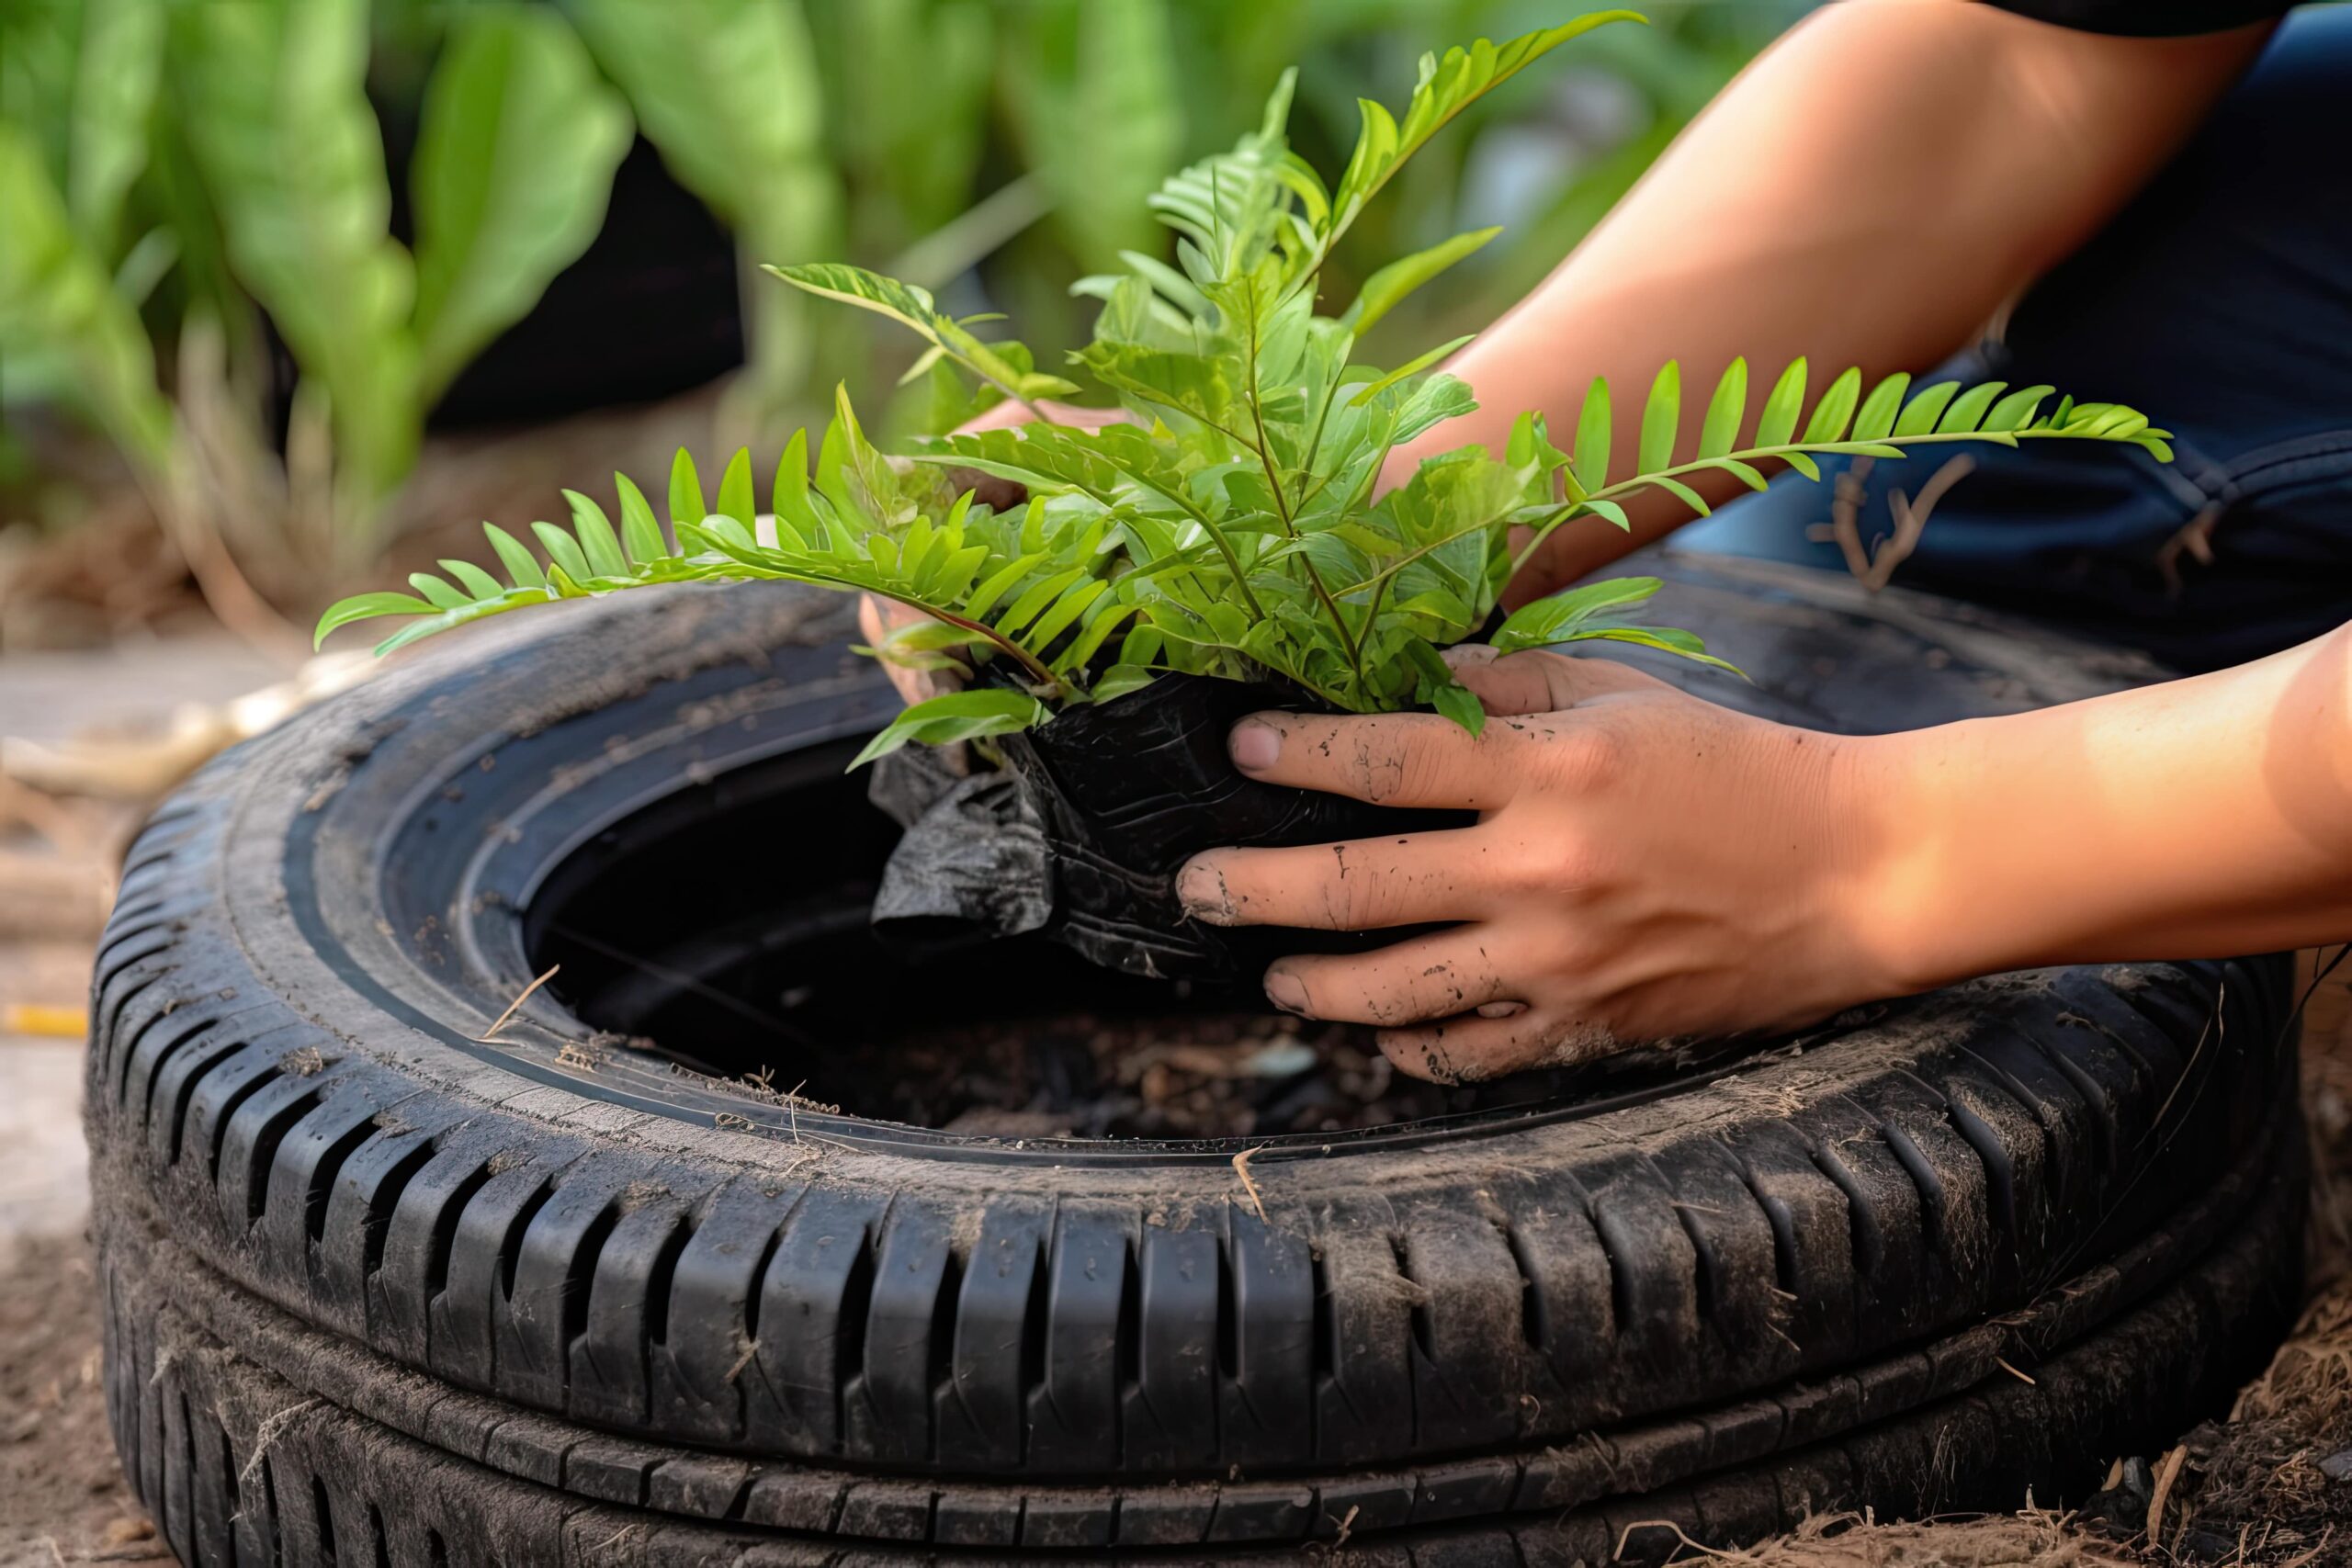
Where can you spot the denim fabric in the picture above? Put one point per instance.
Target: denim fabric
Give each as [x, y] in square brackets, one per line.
[2219, 303]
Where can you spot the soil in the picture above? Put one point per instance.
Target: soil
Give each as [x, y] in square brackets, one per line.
[1180, 1076]
[63, 1496]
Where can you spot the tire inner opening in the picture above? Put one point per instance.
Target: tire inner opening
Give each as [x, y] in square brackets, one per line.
[725, 927]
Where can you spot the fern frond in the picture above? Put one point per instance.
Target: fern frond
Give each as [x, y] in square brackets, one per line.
[914, 309]
[1886, 424]
[589, 559]
[1446, 87]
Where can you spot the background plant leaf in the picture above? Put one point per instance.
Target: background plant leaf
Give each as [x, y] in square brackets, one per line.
[514, 159]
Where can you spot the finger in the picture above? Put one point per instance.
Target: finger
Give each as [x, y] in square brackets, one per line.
[1004, 415]
[1012, 413]
[1470, 1049]
[1438, 976]
[1362, 885]
[877, 618]
[1538, 681]
[1395, 759]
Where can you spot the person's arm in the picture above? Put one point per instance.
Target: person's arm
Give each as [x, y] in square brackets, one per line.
[1867, 192]
[1649, 865]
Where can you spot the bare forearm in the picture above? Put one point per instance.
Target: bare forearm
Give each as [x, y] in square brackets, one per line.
[1866, 193]
[2203, 818]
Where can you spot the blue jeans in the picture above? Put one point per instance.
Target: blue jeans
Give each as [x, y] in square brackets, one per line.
[2220, 304]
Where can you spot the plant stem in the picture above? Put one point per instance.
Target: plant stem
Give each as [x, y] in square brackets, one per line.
[1282, 506]
[1021, 656]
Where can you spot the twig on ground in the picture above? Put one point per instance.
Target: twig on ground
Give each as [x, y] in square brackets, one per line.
[2166, 1474]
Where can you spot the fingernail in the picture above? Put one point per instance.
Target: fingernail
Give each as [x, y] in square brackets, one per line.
[1500, 1010]
[1254, 745]
[1282, 989]
[1200, 887]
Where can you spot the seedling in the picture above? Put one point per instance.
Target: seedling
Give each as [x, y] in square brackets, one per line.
[1233, 524]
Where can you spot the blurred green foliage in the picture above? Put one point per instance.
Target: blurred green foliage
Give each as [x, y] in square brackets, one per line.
[173, 177]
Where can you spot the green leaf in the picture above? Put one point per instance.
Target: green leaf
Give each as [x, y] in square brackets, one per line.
[1680, 491]
[1034, 599]
[914, 308]
[1593, 436]
[686, 489]
[437, 593]
[789, 497]
[1967, 411]
[1098, 95]
[1542, 621]
[957, 716]
[564, 552]
[59, 307]
[1066, 609]
[1385, 288]
[2016, 410]
[522, 567]
[1458, 702]
[1725, 410]
[1119, 679]
[1682, 644]
[273, 101]
[734, 98]
[363, 606]
[1779, 420]
[516, 146]
[1837, 406]
[735, 497]
[116, 68]
[1106, 616]
[596, 538]
[1204, 387]
[1877, 419]
[1447, 86]
[1661, 419]
[1920, 414]
[640, 535]
[1412, 366]
[478, 583]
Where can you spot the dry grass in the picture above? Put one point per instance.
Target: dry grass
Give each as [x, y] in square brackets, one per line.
[2033, 1539]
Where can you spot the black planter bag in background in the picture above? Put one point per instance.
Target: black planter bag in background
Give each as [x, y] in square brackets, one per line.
[1082, 832]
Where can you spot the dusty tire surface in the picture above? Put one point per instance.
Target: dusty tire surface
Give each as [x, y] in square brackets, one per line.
[557, 1280]
[255, 1438]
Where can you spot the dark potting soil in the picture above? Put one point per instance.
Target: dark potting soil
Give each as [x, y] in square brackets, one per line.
[1196, 1075]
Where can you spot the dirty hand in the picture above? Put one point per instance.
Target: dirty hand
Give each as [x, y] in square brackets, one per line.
[1644, 866]
[877, 618]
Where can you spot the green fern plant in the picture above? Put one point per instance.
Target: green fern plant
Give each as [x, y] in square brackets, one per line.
[1231, 527]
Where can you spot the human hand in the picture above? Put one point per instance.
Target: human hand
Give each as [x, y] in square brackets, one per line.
[1646, 865]
[878, 618]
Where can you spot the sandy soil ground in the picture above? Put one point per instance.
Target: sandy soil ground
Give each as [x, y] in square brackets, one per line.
[2271, 1487]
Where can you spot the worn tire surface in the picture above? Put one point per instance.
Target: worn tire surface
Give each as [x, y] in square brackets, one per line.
[551, 1290]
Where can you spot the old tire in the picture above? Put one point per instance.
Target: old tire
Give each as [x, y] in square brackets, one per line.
[592, 1281]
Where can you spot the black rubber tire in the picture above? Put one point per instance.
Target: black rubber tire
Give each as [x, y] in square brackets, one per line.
[256, 1440]
[312, 934]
